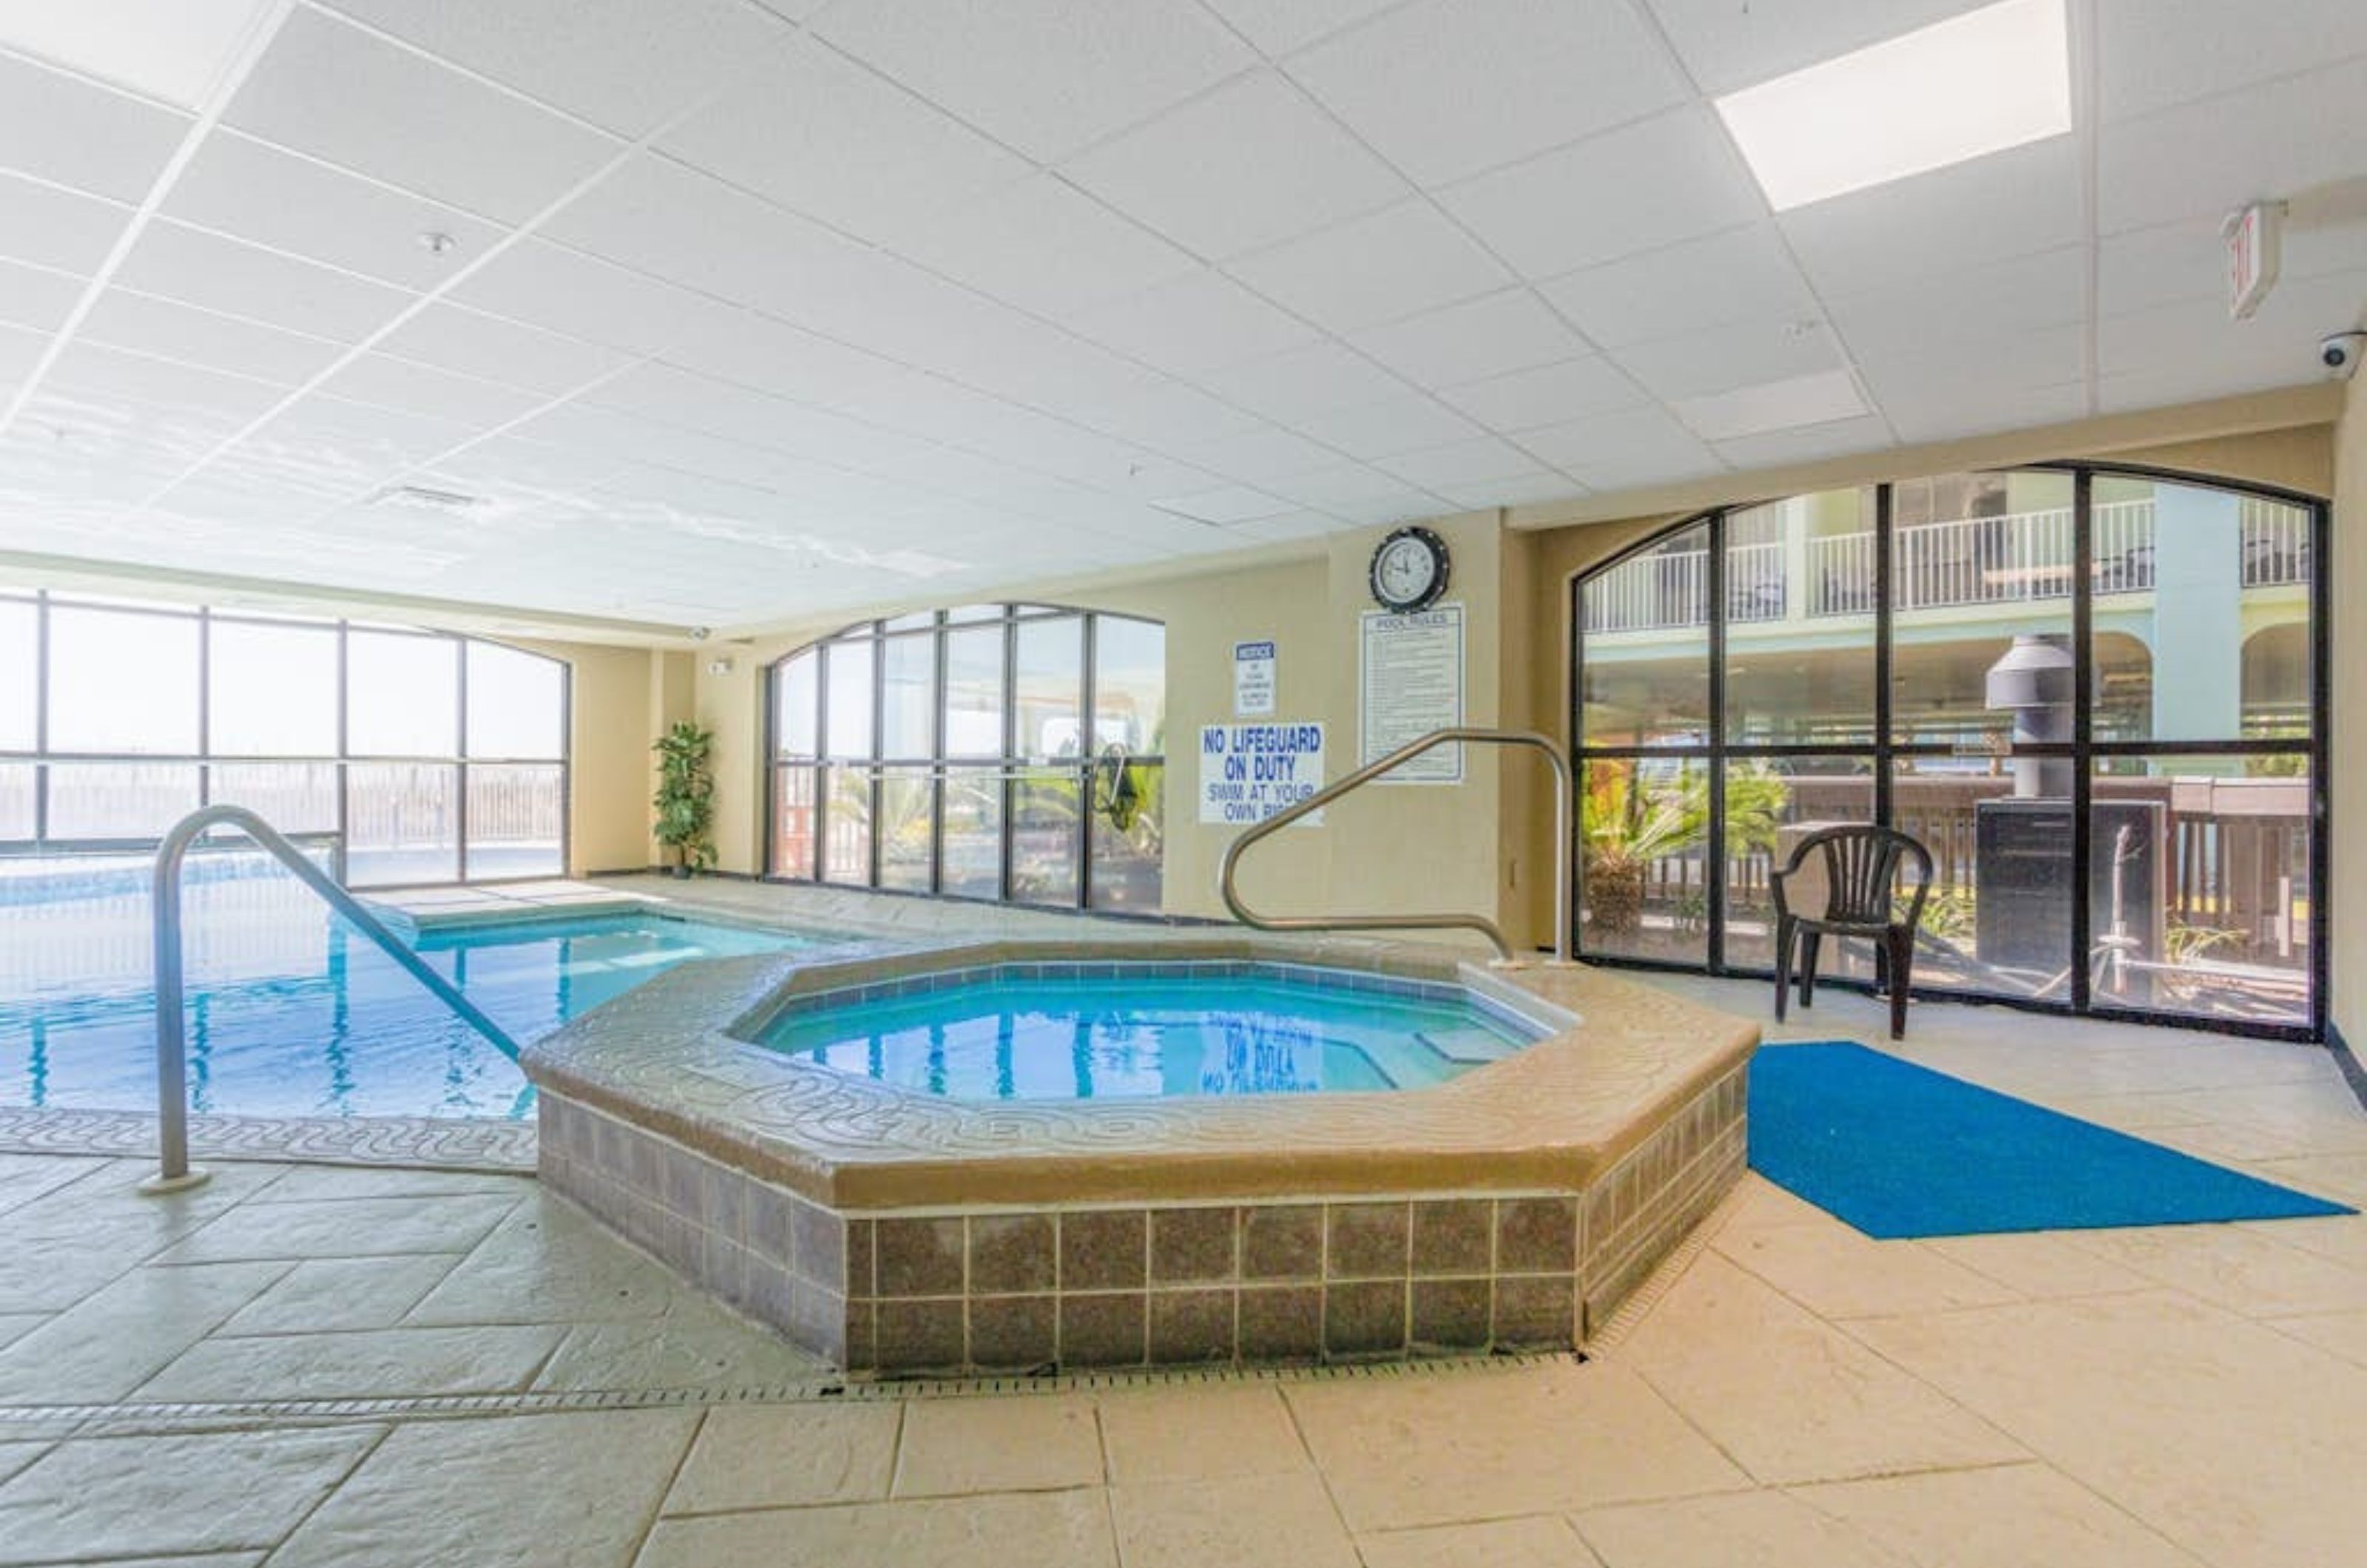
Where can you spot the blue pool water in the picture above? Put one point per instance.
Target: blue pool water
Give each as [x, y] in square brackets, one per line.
[1112, 1035]
[292, 1012]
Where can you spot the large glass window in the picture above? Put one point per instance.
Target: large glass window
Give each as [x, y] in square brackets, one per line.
[2092, 695]
[436, 757]
[948, 752]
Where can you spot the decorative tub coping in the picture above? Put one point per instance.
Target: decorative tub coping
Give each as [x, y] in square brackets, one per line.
[1509, 1207]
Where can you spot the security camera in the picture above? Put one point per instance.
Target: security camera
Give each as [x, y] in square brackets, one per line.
[2340, 354]
[699, 634]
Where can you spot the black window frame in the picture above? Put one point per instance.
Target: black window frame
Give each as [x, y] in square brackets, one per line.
[1884, 749]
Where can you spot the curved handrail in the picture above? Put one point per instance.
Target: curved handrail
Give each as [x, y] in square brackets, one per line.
[1366, 775]
[172, 1049]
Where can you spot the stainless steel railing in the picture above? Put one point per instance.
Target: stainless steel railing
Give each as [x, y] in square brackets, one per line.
[173, 1173]
[1372, 770]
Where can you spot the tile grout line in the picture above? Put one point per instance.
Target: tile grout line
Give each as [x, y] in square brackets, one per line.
[673, 1479]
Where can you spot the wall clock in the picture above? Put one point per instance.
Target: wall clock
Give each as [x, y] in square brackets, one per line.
[1409, 570]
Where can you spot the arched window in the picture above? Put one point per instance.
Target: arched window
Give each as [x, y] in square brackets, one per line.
[950, 753]
[2095, 693]
[436, 758]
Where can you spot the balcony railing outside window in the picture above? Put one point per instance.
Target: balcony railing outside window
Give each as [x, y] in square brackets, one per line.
[2016, 558]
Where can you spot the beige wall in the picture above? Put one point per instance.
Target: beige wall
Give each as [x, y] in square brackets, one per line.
[2347, 836]
[609, 779]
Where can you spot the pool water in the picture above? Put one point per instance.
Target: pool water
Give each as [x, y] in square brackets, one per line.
[292, 1012]
[1116, 1035]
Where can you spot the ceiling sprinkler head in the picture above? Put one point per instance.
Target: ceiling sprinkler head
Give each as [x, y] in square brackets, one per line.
[435, 243]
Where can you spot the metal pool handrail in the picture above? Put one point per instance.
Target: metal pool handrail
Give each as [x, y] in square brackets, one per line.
[1364, 776]
[172, 1172]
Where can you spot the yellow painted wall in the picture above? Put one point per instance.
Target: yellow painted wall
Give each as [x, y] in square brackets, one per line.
[610, 780]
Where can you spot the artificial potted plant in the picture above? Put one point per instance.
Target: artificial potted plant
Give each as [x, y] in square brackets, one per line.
[686, 796]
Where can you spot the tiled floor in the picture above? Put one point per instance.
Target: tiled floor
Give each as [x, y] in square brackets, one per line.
[1799, 1395]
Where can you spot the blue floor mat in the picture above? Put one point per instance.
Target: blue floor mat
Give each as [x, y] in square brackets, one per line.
[1899, 1150]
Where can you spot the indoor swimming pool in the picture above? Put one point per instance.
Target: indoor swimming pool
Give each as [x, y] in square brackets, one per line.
[291, 1011]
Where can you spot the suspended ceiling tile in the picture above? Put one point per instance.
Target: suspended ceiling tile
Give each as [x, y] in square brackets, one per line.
[1406, 259]
[1618, 442]
[1741, 274]
[1746, 353]
[2155, 53]
[387, 382]
[257, 193]
[1966, 313]
[48, 227]
[450, 337]
[579, 296]
[217, 273]
[1046, 76]
[1278, 27]
[624, 64]
[1042, 245]
[1446, 88]
[1499, 333]
[1199, 322]
[1546, 394]
[326, 88]
[1952, 220]
[2278, 140]
[35, 296]
[75, 132]
[1463, 464]
[1726, 45]
[170, 330]
[1248, 166]
[1300, 382]
[1637, 188]
[1409, 423]
[823, 135]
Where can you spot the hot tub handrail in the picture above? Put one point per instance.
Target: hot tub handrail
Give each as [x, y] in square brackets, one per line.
[172, 1172]
[1366, 775]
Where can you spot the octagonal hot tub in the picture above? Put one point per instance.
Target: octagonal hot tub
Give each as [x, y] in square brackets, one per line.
[1016, 1157]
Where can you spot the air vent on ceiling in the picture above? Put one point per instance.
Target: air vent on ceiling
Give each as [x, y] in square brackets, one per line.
[421, 495]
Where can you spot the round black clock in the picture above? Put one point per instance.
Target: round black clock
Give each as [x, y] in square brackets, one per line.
[1409, 570]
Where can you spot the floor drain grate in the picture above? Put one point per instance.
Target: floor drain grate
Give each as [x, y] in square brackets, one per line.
[20, 1420]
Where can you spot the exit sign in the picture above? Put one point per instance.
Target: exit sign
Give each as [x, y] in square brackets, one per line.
[2252, 236]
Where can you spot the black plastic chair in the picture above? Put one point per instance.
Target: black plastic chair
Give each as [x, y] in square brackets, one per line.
[1861, 865]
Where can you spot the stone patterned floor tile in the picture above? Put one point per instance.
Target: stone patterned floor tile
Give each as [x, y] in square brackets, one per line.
[15, 1456]
[365, 1364]
[1268, 1521]
[787, 1456]
[24, 1178]
[1035, 1443]
[1765, 1529]
[1040, 1530]
[2004, 1516]
[481, 1494]
[1195, 1434]
[1542, 1540]
[2219, 1432]
[547, 1263]
[1790, 1396]
[1838, 1272]
[2040, 1265]
[15, 1326]
[2246, 1269]
[675, 1353]
[328, 1294]
[1541, 1438]
[103, 1497]
[120, 1335]
[317, 1183]
[345, 1227]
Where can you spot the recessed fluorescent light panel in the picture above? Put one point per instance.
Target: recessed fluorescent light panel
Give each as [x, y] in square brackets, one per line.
[1980, 83]
[172, 51]
[1791, 404]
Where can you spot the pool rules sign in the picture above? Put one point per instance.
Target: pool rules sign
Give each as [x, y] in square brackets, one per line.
[1249, 771]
